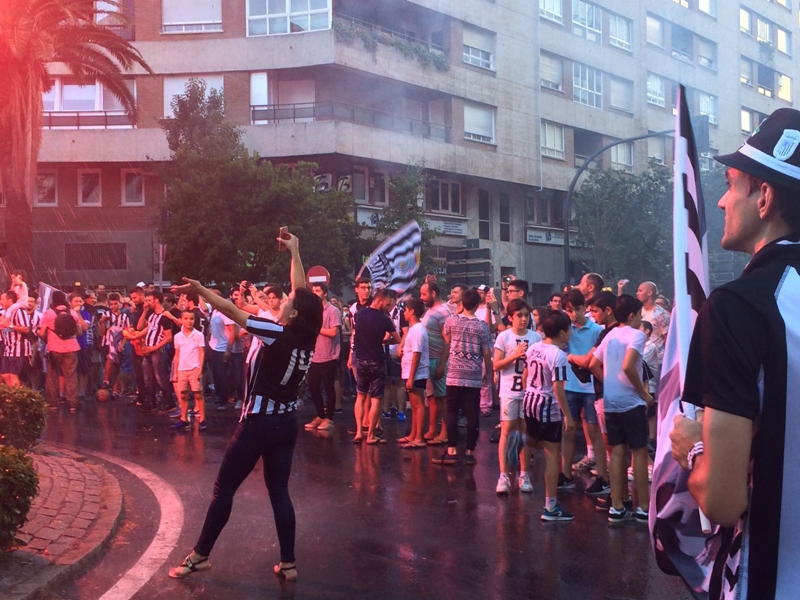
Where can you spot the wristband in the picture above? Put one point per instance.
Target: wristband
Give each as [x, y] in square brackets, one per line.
[696, 451]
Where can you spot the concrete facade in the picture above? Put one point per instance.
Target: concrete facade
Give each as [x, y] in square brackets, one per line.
[371, 111]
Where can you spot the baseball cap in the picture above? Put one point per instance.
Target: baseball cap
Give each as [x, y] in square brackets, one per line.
[141, 284]
[771, 153]
[483, 288]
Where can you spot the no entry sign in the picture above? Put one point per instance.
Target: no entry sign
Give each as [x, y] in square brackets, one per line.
[318, 274]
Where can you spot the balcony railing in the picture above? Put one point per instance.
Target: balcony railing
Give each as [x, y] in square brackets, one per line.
[126, 32]
[98, 119]
[360, 115]
[376, 29]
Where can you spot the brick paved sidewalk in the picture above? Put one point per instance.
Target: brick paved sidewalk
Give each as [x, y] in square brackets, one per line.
[77, 510]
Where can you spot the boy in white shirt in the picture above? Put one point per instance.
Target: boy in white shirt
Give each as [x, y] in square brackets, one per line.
[618, 363]
[509, 361]
[547, 414]
[189, 355]
[415, 371]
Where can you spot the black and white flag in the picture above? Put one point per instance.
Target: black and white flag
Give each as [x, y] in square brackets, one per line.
[395, 263]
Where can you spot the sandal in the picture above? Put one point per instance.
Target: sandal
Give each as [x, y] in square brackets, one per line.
[189, 566]
[357, 440]
[413, 446]
[376, 440]
[436, 442]
[404, 440]
[286, 570]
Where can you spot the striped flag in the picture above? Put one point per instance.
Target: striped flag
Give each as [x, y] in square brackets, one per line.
[395, 263]
[675, 520]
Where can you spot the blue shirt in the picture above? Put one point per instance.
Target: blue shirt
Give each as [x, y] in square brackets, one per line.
[582, 340]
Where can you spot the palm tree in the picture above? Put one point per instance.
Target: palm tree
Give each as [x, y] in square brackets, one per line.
[33, 35]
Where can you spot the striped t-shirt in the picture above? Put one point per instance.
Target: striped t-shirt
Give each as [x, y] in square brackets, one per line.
[546, 363]
[15, 343]
[469, 339]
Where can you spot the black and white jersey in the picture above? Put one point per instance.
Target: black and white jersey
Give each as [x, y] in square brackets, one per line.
[116, 323]
[277, 370]
[546, 364]
[744, 360]
[157, 324]
[16, 344]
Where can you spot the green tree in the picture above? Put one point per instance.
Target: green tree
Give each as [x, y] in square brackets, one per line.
[407, 193]
[224, 204]
[33, 35]
[723, 265]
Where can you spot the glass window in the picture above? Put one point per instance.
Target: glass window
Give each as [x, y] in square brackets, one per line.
[783, 40]
[655, 149]
[621, 94]
[360, 185]
[479, 123]
[551, 72]
[111, 102]
[46, 188]
[484, 216]
[478, 47]
[378, 192]
[587, 85]
[763, 30]
[191, 16]
[622, 157]
[49, 98]
[746, 70]
[551, 9]
[655, 31]
[176, 86]
[619, 32]
[708, 106]
[479, 58]
[132, 188]
[543, 210]
[785, 88]
[587, 21]
[78, 97]
[683, 3]
[747, 121]
[276, 17]
[656, 90]
[745, 23]
[505, 218]
[708, 6]
[552, 139]
[707, 54]
[766, 81]
[89, 188]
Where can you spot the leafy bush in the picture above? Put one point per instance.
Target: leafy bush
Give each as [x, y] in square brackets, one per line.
[22, 416]
[19, 485]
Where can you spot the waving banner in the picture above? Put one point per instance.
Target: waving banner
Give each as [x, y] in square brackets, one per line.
[395, 263]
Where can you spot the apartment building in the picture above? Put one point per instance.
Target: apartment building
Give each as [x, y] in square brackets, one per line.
[501, 100]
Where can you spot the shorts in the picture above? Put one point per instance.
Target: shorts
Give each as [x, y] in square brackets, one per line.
[419, 384]
[510, 409]
[627, 428]
[392, 368]
[371, 377]
[189, 380]
[600, 410]
[582, 402]
[436, 387]
[13, 365]
[543, 432]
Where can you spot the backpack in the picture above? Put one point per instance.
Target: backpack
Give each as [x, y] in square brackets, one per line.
[65, 326]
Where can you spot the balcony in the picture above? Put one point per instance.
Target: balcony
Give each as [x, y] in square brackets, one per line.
[381, 33]
[359, 115]
[97, 119]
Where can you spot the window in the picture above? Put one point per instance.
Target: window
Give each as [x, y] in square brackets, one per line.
[784, 40]
[621, 94]
[682, 43]
[784, 88]
[275, 17]
[746, 71]
[445, 197]
[751, 119]
[707, 54]
[552, 139]
[176, 86]
[259, 93]
[484, 216]
[298, 96]
[763, 31]
[766, 81]
[78, 97]
[656, 90]
[132, 188]
[95, 257]
[708, 6]
[360, 184]
[479, 48]
[655, 31]
[505, 218]
[708, 106]
[543, 210]
[655, 149]
[587, 21]
[622, 157]
[479, 123]
[66, 96]
[745, 22]
[683, 3]
[551, 9]
[46, 188]
[191, 16]
[379, 188]
[89, 187]
[619, 32]
[551, 72]
[587, 85]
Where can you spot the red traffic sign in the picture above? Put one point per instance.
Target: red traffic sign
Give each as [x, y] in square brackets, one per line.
[317, 274]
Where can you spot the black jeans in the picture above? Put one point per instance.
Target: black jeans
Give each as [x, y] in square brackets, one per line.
[272, 438]
[321, 376]
[466, 399]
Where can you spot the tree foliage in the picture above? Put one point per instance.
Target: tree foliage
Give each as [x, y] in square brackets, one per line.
[224, 204]
[723, 265]
[625, 221]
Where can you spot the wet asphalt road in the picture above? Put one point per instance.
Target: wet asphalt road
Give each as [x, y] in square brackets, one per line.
[372, 522]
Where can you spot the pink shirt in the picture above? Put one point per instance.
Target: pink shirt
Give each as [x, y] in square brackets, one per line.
[55, 343]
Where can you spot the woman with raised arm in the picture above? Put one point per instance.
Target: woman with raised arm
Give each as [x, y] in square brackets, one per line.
[268, 425]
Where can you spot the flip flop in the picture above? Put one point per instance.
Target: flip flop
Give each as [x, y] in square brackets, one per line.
[413, 446]
[376, 441]
[403, 440]
[189, 566]
[357, 440]
[436, 442]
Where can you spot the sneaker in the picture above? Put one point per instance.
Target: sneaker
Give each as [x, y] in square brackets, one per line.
[557, 514]
[642, 516]
[181, 425]
[525, 484]
[599, 487]
[386, 415]
[313, 424]
[469, 460]
[445, 459]
[619, 516]
[401, 416]
[584, 464]
[564, 483]
[325, 425]
[603, 504]
[503, 484]
[238, 405]
[202, 426]
[175, 414]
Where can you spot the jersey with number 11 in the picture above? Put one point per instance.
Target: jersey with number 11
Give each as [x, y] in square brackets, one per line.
[511, 385]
